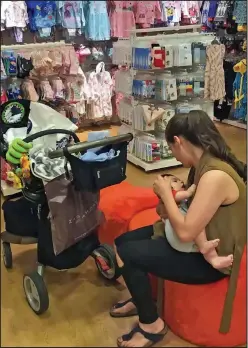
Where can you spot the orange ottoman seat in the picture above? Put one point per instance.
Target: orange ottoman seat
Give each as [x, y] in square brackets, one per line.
[194, 312]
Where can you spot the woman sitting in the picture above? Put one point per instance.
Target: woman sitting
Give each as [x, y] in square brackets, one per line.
[218, 206]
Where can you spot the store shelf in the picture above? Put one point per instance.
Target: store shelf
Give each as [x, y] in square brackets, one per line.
[193, 27]
[233, 123]
[7, 190]
[166, 163]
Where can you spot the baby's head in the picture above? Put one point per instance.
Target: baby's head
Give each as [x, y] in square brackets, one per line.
[176, 183]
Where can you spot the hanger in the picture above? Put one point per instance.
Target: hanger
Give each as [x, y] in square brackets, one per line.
[215, 41]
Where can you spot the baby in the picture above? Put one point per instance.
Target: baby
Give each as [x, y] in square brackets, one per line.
[201, 244]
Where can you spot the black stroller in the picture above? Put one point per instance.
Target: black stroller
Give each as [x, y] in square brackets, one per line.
[29, 215]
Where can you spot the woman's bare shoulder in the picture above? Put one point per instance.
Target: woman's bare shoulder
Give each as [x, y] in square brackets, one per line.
[222, 182]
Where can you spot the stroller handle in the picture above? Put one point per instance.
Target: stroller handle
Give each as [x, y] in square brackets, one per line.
[82, 147]
[51, 132]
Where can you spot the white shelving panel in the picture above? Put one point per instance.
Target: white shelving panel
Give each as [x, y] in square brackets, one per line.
[166, 163]
[8, 190]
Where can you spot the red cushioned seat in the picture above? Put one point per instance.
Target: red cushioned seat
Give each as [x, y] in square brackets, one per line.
[193, 312]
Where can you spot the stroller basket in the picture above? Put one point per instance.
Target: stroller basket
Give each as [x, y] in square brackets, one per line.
[94, 176]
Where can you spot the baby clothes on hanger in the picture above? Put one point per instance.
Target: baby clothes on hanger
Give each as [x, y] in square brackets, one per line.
[212, 10]
[100, 92]
[190, 12]
[71, 16]
[97, 21]
[42, 16]
[171, 12]
[240, 90]
[240, 14]
[58, 88]
[4, 97]
[214, 73]
[121, 18]
[14, 14]
[28, 90]
[146, 12]
[3, 72]
[46, 90]
[221, 12]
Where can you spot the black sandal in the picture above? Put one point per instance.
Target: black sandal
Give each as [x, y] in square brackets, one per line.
[152, 338]
[131, 313]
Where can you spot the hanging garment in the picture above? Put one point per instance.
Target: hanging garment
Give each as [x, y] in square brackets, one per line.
[121, 18]
[212, 10]
[97, 21]
[42, 16]
[146, 12]
[229, 79]
[190, 12]
[240, 12]
[221, 11]
[171, 12]
[214, 73]
[240, 90]
[100, 93]
[14, 14]
[204, 14]
[71, 15]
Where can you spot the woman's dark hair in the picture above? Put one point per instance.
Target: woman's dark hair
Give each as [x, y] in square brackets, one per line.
[200, 130]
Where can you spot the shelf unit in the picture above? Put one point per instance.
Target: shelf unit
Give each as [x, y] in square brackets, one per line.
[189, 33]
[165, 163]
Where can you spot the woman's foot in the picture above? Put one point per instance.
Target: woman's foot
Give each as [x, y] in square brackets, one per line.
[124, 309]
[144, 335]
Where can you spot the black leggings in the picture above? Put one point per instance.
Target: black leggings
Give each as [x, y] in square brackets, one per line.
[142, 255]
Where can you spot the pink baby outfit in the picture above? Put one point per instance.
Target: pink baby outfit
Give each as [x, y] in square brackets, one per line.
[121, 18]
[100, 93]
[146, 12]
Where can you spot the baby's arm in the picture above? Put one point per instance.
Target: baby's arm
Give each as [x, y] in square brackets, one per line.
[186, 194]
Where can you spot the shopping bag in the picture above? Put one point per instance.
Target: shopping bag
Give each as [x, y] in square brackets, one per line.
[73, 214]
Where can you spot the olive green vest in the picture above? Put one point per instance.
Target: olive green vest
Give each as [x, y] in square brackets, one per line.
[228, 224]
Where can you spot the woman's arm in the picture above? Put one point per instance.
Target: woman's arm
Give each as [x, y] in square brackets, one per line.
[214, 189]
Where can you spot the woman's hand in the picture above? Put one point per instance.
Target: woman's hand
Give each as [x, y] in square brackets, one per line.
[161, 211]
[162, 185]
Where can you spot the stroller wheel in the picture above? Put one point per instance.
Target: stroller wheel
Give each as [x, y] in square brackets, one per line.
[106, 262]
[36, 292]
[7, 255]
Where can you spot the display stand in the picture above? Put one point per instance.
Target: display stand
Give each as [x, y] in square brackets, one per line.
[163, 36]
